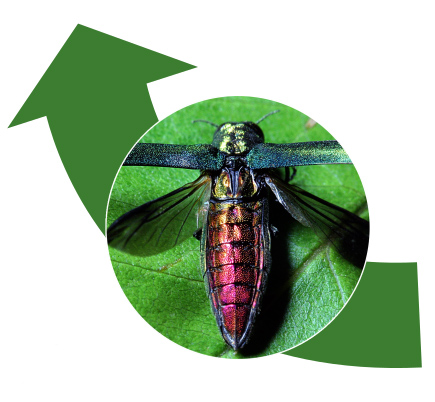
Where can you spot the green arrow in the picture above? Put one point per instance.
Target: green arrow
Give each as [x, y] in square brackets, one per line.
[379, 327]
[97, 104]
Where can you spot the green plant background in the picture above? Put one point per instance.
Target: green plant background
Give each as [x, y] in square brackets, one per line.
[309, 282]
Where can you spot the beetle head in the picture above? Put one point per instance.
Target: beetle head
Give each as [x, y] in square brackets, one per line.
[237, 138]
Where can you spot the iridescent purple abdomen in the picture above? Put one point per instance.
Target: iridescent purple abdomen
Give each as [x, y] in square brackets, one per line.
[235, 265]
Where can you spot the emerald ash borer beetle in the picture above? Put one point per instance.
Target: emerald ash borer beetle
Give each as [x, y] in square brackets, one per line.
[227, 209]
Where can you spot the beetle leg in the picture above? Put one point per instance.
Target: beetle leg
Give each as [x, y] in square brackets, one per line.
[287, 177]
[274, 230]
[197, 234]
[287, 174]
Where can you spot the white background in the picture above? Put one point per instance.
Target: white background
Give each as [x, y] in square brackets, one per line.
[364, 70]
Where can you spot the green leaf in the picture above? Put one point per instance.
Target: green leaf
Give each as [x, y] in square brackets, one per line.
[309, 281]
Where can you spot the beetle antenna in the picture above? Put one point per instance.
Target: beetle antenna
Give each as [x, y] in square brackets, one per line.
[205, 121]
[267, 115]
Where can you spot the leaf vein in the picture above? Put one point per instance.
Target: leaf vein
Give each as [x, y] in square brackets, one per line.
[334, 272]
[161, 271]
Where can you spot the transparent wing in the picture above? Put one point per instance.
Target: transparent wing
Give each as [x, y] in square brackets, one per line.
[161, 224]
[346, 231]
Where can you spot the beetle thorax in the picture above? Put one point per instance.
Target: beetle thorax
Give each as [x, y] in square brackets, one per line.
[237, 138]
[235, 180]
